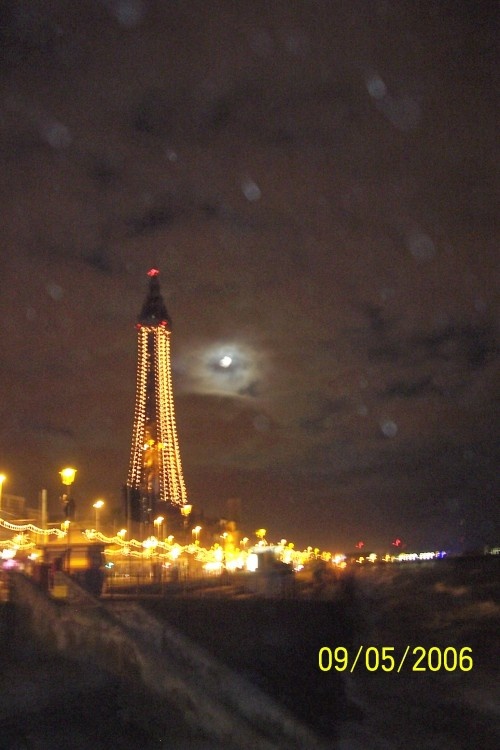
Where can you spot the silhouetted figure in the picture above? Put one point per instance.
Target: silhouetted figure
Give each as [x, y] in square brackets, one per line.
[93, 580]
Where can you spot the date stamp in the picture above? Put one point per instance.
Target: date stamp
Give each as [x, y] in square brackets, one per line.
[415, 658]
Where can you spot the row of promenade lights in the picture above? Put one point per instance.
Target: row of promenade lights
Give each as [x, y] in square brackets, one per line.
[68, 477]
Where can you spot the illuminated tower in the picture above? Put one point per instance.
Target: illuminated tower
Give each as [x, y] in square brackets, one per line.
[155, 471]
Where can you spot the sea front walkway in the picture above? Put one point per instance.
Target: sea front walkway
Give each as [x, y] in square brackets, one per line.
[153, 682]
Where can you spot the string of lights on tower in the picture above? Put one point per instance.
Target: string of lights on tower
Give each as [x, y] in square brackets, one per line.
[155, 470]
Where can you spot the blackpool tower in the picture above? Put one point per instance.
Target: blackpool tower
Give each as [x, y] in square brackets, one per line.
[155, 470]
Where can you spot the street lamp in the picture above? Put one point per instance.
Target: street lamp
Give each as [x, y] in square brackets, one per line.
[2, 480]
[186, 510]
[67, 478]
[97, 505]
[158, 522]
[261, 533]
[196, 532]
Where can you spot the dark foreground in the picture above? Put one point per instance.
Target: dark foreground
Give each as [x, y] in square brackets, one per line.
[47, 701]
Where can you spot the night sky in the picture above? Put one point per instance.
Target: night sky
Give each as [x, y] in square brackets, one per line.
[315, 181]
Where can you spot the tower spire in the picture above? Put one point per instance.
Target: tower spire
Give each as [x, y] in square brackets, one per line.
[155, 470]
[153, 310]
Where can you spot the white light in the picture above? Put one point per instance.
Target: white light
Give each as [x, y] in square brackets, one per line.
[252, 562]
[213, 567]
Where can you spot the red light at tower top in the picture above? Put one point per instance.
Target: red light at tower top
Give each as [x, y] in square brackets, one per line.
[153, 272]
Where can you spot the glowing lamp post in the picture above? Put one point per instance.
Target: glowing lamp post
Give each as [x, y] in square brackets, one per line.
[186, 511]
[97, 505]
[196, 533]
[261, 534]
[2, 480]
[67, 478]
[158, 522]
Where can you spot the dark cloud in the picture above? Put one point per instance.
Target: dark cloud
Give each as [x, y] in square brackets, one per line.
[325, 411]
[416, 388]
[474, 344]
[469, 346]
[104, 172]
[50, 431]
[154, 219]
[99, 261]
[388, 352]
[253, 389]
